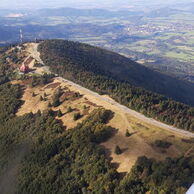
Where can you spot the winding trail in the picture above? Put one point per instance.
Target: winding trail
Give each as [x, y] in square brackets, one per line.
[36, 55]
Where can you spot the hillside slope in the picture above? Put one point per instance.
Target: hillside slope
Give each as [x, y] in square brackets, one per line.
[84, 57]
[40, 134]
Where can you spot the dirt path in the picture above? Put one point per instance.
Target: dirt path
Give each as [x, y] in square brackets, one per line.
[32, 49]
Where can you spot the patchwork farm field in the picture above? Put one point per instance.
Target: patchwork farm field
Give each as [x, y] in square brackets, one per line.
[161, 39]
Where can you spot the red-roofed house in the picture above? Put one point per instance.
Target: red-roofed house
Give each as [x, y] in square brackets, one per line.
[24, 69]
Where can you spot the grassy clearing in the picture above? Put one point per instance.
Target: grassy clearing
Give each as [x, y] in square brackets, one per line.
[180, 56]
[150, 134]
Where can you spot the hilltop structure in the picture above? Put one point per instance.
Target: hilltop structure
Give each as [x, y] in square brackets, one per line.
[24, 69]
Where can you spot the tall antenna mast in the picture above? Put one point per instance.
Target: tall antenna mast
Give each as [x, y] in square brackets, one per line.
[21, 36]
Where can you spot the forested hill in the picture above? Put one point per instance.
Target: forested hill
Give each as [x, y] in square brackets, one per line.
[109, 73]
[38, 155]
[86, 58]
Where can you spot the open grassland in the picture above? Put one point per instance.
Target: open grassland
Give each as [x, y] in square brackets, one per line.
[180, 55]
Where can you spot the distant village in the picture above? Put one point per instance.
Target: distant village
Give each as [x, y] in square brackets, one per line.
[156, 28]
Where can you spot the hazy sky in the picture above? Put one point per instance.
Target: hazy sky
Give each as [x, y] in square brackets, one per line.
[81, 3]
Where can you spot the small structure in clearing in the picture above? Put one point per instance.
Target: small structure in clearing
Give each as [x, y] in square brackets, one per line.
[24, 69]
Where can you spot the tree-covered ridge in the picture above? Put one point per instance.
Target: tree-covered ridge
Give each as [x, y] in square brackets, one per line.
[86, 58]
[89, 67]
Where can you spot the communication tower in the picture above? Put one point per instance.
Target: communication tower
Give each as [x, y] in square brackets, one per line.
[21, 36]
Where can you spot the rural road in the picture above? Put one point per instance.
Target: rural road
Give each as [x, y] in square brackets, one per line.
[35, 54]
